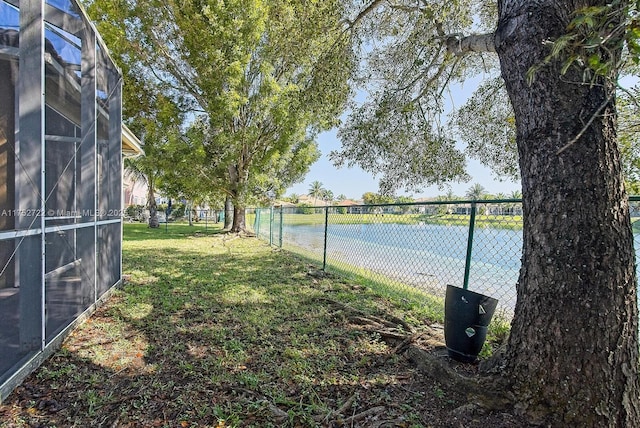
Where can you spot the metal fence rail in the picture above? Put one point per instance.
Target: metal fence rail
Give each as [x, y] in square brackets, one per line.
[420, 246]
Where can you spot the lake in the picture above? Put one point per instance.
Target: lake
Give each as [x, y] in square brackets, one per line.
[424, 256]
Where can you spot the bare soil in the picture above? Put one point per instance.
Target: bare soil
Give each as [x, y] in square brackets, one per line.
[408, 399]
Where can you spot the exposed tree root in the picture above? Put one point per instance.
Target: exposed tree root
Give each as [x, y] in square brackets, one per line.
[230, 235]
[491, 393]
[386, 334]
[346, 405]
[404, 344]
[278, 413]
[482, 392]
[374, 411]
[392, 322]
[389, 424]
[340, 412]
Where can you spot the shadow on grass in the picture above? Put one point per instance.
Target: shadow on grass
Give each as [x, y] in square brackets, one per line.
[223, 331]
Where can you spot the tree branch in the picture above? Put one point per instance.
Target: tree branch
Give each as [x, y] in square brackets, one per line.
[405, 8]
[460, 46]
[372, 6]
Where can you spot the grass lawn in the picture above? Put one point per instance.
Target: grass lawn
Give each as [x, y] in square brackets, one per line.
[214, 330]
[482, 220]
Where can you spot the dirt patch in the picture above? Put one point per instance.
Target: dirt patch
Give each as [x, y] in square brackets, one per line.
[132, 390]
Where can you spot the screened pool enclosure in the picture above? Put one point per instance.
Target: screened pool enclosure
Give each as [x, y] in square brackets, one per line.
[60, 178]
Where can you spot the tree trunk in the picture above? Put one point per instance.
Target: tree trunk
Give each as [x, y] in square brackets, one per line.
[228, 213]
[573, 350]
[151, 205]
[239, 224]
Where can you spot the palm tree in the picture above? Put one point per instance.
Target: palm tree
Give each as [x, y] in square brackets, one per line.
[315, 190]
[500, 195]
[142, 169]
[476, 192]
[327, 196]
[516, 194]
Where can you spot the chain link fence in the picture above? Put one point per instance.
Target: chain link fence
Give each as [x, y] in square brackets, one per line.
[207, 217]
[418, 247]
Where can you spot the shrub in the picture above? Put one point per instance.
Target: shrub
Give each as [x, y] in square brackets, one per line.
[135, 212]
[305, 209]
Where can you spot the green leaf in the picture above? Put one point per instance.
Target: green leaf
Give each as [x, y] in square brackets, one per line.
[594, 62]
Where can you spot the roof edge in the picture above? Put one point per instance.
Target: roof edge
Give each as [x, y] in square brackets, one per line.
[131, 145]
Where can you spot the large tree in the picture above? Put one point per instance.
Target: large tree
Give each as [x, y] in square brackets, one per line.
[268, 76]
[201, 168]
[157, 121]
[150, 108]
[576, 319]
[572, 355]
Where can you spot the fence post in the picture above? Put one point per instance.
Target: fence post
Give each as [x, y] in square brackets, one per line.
[271, 226]
[326, 227]
[257, 223]
[281, 224]
[467, 263]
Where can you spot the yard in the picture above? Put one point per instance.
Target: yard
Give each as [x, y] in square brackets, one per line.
[214, 330]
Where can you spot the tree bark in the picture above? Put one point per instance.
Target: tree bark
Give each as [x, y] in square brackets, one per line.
[189, 209]
[475, 43]
[238, 175]
[228, 213]
[151, 205]
[573, 350]
[239, 224]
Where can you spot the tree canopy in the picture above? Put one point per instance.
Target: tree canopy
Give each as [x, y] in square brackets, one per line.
[399, 129]
[266, 77]
[415, 58]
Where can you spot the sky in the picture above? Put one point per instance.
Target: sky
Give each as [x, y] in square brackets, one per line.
[354, 182]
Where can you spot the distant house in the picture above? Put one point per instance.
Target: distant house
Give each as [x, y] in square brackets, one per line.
[61, 148]
[284, 204]
[462, 209]
[313, 201]
[135, 191]
[353, 207]
[426, 208]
